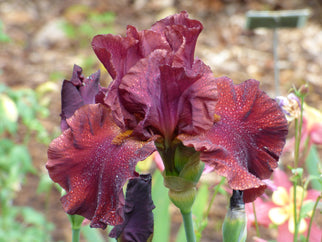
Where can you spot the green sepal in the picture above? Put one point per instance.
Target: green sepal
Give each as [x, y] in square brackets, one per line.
[76, 221]
[234, 227]
[183, 200]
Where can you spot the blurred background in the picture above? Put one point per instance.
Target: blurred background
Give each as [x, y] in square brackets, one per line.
[41, 40]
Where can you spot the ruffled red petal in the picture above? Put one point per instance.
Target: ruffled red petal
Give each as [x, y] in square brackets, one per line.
[174, 37]
[93, 168]
[246, 143]
[181, 33]
[168, 100]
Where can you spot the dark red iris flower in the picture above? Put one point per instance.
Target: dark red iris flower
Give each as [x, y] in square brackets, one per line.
[160, 91]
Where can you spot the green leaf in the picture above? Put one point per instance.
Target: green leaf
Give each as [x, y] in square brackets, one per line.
[161, 211]
[181, 235]
[306, 209]
[92, 234]
[3, 36]
[31, 216]
[313, 165]
[45, 184]
[200, 204]
[199, 208]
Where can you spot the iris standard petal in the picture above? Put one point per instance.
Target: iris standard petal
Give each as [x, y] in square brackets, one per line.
[168, 100]
[181, 34]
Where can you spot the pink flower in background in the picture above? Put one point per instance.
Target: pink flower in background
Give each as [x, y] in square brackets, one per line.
[279, 211]
[311, 129]
[312, 125]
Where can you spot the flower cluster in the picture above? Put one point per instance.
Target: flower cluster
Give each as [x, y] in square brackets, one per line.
[161, 98]
[280, 210]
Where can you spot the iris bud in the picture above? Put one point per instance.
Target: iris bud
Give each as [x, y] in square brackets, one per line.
[234, 226]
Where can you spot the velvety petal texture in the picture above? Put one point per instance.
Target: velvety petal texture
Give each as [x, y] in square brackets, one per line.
[168, 100]
[89, 162]
[77, 92]
[246, 142]
[158, 87]
[138, 222]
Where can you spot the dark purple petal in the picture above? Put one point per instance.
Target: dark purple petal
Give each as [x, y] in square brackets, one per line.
[77, 92]
[166, 100]
[138, 222]
[245, 144]
[71, 100]
[88, 161]
[77, 77]
[90, 88]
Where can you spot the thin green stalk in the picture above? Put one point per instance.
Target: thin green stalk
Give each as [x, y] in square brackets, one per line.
[213, 196]
[295, 213]
[256, 222]
[76, 234]
[297, 143]
[311, 220]
[298, 134]
[188, 227]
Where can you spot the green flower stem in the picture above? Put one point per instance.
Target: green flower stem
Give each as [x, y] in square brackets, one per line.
[298, 134]
[188, 226]
[311, 220]
[295, 213]
[256, 222]
[213, 197]
[76, 234]
[76, 223]
[297, 143]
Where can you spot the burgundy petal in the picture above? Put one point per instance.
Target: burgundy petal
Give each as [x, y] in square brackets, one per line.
[177, 35]
[77, 92]
[246, 143]
[90, 164]
[118, 54]
[138, 222]
[181, 34]
[168, 100]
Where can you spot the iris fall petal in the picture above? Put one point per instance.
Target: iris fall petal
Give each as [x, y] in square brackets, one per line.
[92, 168]
[245, 144]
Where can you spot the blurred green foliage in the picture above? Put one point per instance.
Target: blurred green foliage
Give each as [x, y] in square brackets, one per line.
[3, 36]
[20, 113]
[82, 23]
